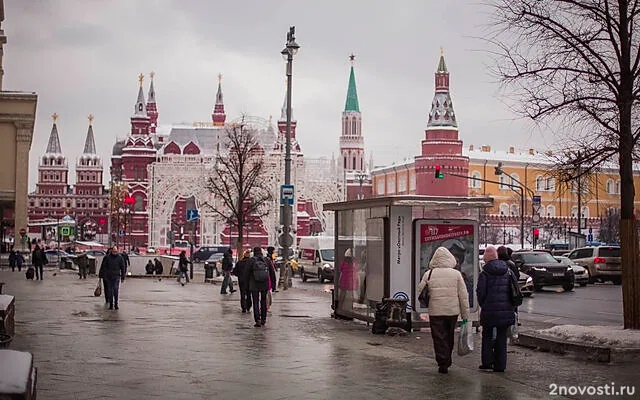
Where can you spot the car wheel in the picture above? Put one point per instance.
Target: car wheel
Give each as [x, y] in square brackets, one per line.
[303, 275]
[568, 287]
[320, 277]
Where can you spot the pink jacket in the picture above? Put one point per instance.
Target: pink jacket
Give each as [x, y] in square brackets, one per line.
[348, 274]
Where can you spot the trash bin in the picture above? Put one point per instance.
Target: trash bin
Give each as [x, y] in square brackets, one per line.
[92, 265]
[208, 271]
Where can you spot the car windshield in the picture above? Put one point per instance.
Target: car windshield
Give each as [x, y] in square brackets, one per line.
[609, 252]
[538, 258]
[327, 254]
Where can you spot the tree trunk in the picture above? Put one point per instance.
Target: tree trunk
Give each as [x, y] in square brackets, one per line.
[630, 275]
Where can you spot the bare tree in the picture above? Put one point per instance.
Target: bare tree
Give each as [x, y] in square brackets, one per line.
[610, 226]
[239, 181]
[576, 62]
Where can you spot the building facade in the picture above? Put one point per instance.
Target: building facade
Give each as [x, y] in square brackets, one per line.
[17, 118]
[83, 206]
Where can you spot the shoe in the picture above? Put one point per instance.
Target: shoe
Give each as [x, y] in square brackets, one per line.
[498, 370]
[274, 291]
[263, 322]
[233, 290]
[443, 370]
[223, 292]
[116, 307]
[182, 284]
[485, 366]
[257, 325]
[110, 306]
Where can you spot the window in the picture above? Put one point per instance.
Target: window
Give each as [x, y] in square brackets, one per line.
[515, 209]
[139, 205]
[610, 188]
[354, 163]
[585, 212]
[475, 182]
[539, 183]
[354, 127]
[345, 162]
[617, 187]
[504, 209]
[412, 182]
[503, 182]
[574, 212]
[515, 178]
[391, 185]
[551, 184]
[402, 184]
[551, 211]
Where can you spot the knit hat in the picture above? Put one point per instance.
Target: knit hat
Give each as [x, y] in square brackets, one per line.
[490, 253]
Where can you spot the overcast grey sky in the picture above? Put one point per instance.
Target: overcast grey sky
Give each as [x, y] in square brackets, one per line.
[84, 56]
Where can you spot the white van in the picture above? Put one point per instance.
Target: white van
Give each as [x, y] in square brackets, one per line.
[316, 258]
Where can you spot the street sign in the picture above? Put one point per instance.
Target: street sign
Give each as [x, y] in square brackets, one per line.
[535, 218]
[121, 232]
[589, 238]
[286, 194]
[590, 230]
[65, 230]
[537, 199]
[192, 215]
[536, 204]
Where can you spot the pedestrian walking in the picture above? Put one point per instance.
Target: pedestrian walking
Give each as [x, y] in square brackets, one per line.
[227, 267]
[83, 265]
[448, 298]
[497, 313]
[273, 283]
[38, 259]
[127, 262]
[112, 272]
[259, 286]
[183, 267]
[19, 261]
[243, 270]
[12, 259]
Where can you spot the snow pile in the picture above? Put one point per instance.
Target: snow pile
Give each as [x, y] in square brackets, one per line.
[599, 335]
[16, 370]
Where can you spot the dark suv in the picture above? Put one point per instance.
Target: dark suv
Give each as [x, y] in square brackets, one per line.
[544, 269]
[205, 252]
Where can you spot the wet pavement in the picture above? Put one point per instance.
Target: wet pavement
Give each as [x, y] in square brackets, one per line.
[173, 342]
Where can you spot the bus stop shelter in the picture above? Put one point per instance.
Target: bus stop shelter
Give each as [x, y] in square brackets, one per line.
[383, 247]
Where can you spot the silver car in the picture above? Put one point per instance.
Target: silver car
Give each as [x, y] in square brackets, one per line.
[581, 274]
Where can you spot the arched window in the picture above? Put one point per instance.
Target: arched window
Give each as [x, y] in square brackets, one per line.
[618, 187]
[585, 212]
[539, 183]
[354, 128]
[139, 205]
[515, 178]
[551, 211]
[515, 209]
[503, 182]
[475, 182]
[574, 212]
[345, 162]
[344, 125]
[504, 209]
[610, 186]
[354, 163]
[381, 186]
[551, 184]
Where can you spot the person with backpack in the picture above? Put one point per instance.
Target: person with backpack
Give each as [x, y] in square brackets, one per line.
[243, 271]
[38, 259]
[227, 267]
[497, 311]
[259, 286]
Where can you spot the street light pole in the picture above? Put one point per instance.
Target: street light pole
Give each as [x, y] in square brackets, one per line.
[288, 52]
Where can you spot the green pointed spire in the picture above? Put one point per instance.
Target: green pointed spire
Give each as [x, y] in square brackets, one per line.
[352, 94]
[442, 67]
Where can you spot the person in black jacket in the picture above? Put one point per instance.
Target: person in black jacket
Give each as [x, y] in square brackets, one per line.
[227, 267]
[259, 287]
[242, 270]
[38, 259]
[112, 272]
[183, 267]
[497, 313]
[127, 262]
[504, 255]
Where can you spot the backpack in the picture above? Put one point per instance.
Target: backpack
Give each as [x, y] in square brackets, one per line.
[516, 295]
[30, 273]
[260, 270]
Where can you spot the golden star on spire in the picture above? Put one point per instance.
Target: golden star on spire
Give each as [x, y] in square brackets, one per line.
[352, 57]
[54, 116]
[441, 51]
[219, 77]
[140, 78]
[90, 117]
[152, 74]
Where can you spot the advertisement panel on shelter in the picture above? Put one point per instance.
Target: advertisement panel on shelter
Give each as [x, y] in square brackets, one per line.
[460, 237]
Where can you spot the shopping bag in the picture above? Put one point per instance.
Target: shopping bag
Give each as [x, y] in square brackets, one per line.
[512, 333]
[98, 291]
[465, 339]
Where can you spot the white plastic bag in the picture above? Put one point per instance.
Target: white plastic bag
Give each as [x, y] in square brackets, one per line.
[513, 331]
[465, 339]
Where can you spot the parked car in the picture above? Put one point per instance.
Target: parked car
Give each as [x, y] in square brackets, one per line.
[544, 269]
[96, 253]
[54, 256]
[151, 250]
[603, 263]
[205, 252]
[581, 274]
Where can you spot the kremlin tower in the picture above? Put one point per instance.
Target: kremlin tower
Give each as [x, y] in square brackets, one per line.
[219, 117]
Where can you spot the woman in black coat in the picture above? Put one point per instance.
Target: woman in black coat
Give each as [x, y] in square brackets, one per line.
[497, 312]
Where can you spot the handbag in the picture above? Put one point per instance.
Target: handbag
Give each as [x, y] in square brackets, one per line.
[515, 294]
[98, 290]
[423, 297]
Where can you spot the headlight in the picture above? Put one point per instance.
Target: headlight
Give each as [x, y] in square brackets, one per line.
[569, 268]
[326, 266]
[529, 280]
[541, 269]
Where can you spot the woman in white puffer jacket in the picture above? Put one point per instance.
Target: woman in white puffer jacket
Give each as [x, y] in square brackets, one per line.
[448, 298]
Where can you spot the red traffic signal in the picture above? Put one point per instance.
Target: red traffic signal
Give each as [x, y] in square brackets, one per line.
[439, 174]
[102, 221]
[536, 232]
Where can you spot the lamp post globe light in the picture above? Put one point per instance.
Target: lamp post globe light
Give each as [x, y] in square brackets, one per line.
[291, 49]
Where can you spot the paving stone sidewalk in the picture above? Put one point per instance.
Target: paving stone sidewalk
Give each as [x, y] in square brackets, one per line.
[174, 342]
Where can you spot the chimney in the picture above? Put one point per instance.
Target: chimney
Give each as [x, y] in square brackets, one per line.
[512, 150]
[486, 148]
[470, 147]
[532, 152]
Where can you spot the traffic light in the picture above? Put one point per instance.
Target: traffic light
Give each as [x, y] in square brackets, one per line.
[536, 233]
[439, 174]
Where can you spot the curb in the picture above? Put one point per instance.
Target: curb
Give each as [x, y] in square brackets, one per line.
[582, 351]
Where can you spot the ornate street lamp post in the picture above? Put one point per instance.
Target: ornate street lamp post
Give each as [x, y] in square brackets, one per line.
[290, 50]
[129, 202]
